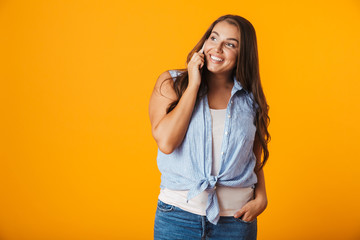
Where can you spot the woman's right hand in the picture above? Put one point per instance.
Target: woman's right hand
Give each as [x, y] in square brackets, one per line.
[195, 64]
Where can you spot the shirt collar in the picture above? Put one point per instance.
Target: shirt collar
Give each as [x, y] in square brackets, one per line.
[237, 85]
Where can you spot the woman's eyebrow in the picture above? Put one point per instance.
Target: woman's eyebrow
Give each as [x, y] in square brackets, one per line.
[227, 38]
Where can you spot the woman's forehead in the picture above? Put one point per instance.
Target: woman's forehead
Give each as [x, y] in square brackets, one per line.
[226, 30]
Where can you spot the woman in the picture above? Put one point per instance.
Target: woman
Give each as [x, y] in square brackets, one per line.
[210, 124]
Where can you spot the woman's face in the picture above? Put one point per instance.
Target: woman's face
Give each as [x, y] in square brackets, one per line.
[222, 47]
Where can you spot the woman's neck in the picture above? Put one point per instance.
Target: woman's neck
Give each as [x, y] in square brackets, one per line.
[216, 81]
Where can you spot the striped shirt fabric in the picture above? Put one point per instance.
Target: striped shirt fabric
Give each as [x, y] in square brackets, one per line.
[189, 166]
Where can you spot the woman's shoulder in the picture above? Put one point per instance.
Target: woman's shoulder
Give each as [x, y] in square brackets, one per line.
[169, 74]
[164, 86]
[164, 75]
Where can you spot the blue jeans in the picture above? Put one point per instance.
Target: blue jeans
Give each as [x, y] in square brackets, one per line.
[172, 222]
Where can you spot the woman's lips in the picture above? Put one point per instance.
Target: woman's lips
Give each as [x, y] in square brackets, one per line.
[216, 60]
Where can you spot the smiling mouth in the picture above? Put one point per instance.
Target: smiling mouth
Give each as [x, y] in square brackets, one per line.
[216, 59]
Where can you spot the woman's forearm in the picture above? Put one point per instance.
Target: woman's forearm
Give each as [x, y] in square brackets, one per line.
[260, 190]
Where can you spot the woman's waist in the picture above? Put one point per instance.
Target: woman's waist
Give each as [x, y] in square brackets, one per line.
[230, 199]
[226, 194]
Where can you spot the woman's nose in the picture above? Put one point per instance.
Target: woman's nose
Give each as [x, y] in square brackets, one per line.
[218, 47]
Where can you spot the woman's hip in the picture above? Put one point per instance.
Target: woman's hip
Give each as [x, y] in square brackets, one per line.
[171, 222]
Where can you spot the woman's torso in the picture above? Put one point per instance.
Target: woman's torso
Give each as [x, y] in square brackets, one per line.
[189, 166]
[230, 199]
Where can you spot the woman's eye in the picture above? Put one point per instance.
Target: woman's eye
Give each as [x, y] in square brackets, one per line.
[228, 44]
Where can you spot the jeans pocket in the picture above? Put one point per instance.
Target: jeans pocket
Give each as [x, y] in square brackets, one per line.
[240, 220]
[164, 207]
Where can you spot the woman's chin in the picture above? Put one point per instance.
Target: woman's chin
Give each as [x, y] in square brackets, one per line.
[212, 68]
[215, 70]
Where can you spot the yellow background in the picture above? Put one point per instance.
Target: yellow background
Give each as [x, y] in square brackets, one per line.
[77, 157]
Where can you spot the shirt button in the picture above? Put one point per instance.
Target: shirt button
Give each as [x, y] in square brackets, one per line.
[229, 116]
[226, 133]
[232, 101]
[222, 153]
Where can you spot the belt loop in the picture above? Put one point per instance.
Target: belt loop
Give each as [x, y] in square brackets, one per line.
[203, 226]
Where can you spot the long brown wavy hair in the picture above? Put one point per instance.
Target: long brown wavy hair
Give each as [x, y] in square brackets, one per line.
[246, 71]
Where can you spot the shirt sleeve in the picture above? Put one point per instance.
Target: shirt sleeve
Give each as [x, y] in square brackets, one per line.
[174, 73]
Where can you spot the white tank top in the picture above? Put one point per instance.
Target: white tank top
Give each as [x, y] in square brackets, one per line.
[231, 199]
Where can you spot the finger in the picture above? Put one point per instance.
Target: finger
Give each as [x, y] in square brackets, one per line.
[239, 213]
[193, 56]
[197, 56]
[247, 218]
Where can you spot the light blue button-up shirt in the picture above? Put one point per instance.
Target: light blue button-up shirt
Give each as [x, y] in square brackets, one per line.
[188, 167]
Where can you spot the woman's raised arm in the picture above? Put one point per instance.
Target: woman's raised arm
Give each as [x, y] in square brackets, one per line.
[169, 129]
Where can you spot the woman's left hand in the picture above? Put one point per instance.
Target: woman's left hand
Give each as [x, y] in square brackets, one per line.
[251, 209]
